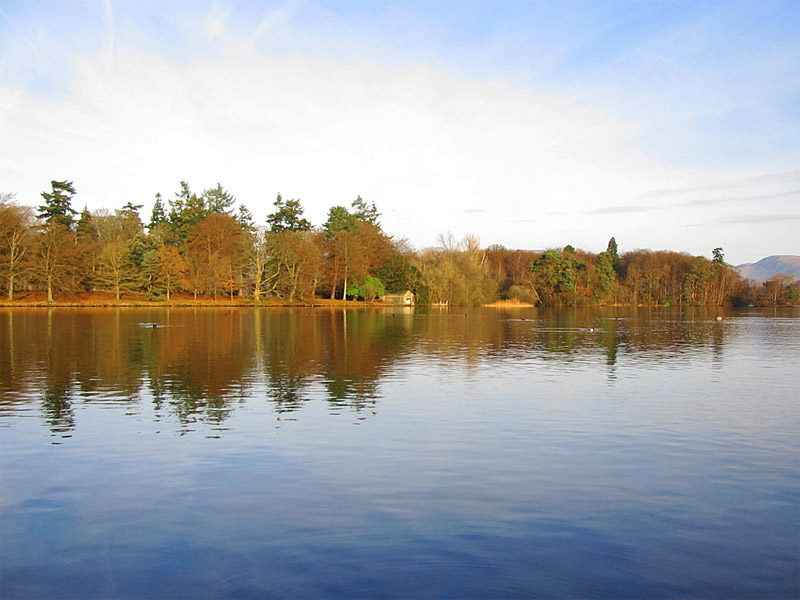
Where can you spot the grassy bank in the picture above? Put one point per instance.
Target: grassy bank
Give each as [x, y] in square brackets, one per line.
[100, 299]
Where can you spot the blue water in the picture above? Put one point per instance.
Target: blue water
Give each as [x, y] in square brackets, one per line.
[379, 454]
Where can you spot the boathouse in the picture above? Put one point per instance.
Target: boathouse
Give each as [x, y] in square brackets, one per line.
[404, 299]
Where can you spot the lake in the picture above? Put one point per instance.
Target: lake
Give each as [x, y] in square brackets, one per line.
[396, 453]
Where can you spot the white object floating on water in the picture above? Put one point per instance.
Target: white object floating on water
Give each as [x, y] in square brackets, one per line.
[719, 318]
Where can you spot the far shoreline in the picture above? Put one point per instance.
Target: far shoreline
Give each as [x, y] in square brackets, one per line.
[100, 300]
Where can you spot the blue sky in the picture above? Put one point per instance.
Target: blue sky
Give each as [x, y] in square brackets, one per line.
[531, 124]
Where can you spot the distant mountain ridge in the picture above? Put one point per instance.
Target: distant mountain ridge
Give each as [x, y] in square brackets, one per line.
[767, 268]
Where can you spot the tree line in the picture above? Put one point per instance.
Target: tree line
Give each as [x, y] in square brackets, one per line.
[206, 245]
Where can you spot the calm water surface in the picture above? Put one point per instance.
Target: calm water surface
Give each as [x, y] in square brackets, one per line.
[255, 453]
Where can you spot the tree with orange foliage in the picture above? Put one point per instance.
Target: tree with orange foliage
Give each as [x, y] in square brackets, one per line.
[214, 244]
[58, 260]
[172, 269]
[16, 233]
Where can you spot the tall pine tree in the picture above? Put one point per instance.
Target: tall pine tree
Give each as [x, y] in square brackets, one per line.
[159, 215]
[57, 207]
[218, 200]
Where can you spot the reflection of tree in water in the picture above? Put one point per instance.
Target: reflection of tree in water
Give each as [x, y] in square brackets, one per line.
[352, 393]
[558, 334]
[198, 363]
[610, 340]
[350, 350]
[57, 408]
[286, 344]
[654, 333]
[287, 390]
[359, 351]
[192, 409]
[570, 334]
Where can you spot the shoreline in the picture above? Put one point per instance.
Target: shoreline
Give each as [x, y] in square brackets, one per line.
[100, 301]
[320, 303]
[106, 300]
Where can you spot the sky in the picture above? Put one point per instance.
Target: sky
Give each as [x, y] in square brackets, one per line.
[533, 124]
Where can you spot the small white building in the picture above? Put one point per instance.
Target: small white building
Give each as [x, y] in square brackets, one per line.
[404, 299]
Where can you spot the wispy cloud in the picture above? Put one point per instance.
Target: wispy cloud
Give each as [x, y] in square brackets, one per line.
[277, 17]
[770, 187]
[24, 38]
[793, 194]
[620, 210]
[788, 177]
[760, 218]
[108, 42]
[216, 19]
[789, 183]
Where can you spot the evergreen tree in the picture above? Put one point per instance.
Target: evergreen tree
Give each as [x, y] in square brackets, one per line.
[186, 210]
[340, 219]
[245, 219]
[697, 282]
[148, 270]
[218, 200]
[85, 229]
[115, 272]
[159, 215]
[398, 274]
[288, 216]
[176, 206]
[139, 246]
[365, 212]
[605, 272]
[131, 222]
[57, 207]
[613, 254]
[194, 211]
[558, 275]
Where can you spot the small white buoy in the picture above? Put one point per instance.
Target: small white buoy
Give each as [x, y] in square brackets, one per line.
[719, 318]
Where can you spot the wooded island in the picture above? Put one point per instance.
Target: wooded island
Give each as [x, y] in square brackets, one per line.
[202, 246]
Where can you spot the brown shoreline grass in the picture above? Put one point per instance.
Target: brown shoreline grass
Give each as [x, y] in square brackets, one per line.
[510, 304]
[107, 300]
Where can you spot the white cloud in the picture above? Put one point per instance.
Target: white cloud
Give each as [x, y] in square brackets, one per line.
[108, 42]
[216, 20]
[435, 152]
[277, 17]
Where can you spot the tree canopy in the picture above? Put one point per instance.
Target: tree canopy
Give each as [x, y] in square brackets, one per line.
[201, 245]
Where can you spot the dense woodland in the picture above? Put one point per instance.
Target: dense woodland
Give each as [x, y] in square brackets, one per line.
[203, 245]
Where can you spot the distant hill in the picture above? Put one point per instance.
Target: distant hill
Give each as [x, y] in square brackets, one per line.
[768, 267]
